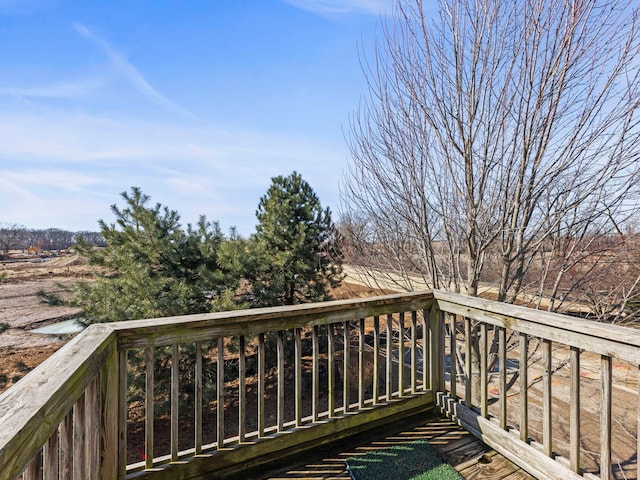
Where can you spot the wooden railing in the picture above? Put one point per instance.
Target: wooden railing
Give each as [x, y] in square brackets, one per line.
[208, 395]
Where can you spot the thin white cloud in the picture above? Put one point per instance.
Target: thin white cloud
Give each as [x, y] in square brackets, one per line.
[340, 7]
[57, 90]
[130, 73]
[52, 159]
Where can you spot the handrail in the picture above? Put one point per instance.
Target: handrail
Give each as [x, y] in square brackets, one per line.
[31, 410]
[505, 332]
[165, 331]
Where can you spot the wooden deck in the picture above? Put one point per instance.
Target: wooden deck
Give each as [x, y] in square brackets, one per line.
[469, 456]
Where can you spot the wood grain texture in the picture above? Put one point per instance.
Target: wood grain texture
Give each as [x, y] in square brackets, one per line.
[27, 421]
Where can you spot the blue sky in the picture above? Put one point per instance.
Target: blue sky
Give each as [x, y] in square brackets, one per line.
[199, 103]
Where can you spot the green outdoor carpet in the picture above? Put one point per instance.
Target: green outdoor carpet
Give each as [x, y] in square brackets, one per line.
[411, 461]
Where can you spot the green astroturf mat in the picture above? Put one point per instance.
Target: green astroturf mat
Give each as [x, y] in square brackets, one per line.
[411, 461]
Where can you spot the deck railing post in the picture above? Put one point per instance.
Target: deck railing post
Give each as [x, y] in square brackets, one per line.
[109, 417]
[436, 337]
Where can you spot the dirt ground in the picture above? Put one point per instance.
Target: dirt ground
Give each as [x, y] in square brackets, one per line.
[23, 309]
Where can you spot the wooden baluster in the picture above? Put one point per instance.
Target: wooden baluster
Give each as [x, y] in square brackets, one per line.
[426, 352]
[524, 387]
[453, 371]
[281, 376]
[574, 414]
[79, 439]
[502, 387]
[50, 456]
[109, 416]
[315, 373]
[33, 470]
[331, 370]
[220, 393]
[198, 400]
[346, 364]
[638, 430]
[298, 375]
[414, 353]
[484, 410]
[242, 390]
[436, 337]
[361, 384]
[175, 394]
[401, 380]
[148, 410]
[547, 437]
[261, 391]
[468, 364]
[66, 446]
[93, 408]
[376, 360]
[123, 411]
[389, 363]
[605, 418]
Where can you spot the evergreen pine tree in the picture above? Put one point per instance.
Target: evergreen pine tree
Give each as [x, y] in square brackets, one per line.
[296, 244]
[154, 268]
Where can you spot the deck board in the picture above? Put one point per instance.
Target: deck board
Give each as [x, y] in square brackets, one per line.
[469, 456]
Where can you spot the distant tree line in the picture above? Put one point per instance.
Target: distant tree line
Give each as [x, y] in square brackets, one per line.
[14, 236]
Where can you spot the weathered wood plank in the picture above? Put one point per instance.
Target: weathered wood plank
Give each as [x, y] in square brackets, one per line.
[261, 389]
[401, 336]
[242, 390]
[547, 399]
[50, 458]
[280, 382]
[298, 375]
[426, 352]
[574, 413]
[149, 407]
[502, 355]
[109, 418]
[192, 328]
[79, 439]
[234, 459]
[175, 394]
[484, 407]
[315, 372]
[346, 367]
[361, 379]
[605, 418]
[29, 420]
[66, 447]
[34, 468]
[198, 384]
[93, 410]
[530, 459]
[453, 372]
[331, 369]
[123, 410]
[414, 353]
[220, 392]
[524, 386]
[436, 348]
[492, 467]
[376, 360]
[389, 359]
[610, 340]
[468, 366]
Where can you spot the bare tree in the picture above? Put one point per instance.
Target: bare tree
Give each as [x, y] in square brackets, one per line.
[498, 144]
[12, 236]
